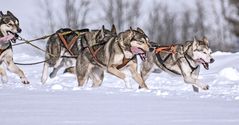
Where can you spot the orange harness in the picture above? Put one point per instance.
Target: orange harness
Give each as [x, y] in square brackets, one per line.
[70, 44]
[170, 49]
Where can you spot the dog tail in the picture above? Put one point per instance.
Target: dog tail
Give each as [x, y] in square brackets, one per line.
[53, 50]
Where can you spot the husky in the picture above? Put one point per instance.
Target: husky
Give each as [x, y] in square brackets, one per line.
[185, 61]
[116, 54]
[60, 46]
[9, 27]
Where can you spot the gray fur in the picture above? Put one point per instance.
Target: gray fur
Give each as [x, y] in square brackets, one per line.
[186, 62]
[110, 56]
[9, 24]
[57, 50]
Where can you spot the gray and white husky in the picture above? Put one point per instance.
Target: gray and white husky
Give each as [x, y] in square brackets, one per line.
[185, 62]
[118, 53]
[9, 27]
[56, 49]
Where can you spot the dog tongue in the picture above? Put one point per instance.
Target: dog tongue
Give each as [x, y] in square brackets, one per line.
[6, 38]
[136, 50]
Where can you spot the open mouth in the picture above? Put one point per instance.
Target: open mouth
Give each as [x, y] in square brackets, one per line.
[204, 63]
[139, 51]
[13, 40]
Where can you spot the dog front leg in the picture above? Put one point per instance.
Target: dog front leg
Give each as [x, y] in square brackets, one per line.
[136, 76]
[13, 68]
[44, 73]
[56, 68]
[116, 72]
[4, 75]
[196, 82]
[146, 67]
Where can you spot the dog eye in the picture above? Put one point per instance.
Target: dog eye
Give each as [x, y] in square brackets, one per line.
[204, 52]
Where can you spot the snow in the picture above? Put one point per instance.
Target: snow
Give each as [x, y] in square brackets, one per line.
[230, 73]
[168, 102]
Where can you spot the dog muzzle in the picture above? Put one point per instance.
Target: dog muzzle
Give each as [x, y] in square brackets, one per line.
[138, 51]
[7, 38]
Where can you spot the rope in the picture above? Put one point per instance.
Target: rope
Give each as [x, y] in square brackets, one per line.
[41, 38]
[35, 63]
[29, 42]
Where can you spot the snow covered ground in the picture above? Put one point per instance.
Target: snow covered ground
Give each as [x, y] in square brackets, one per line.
[169, 102]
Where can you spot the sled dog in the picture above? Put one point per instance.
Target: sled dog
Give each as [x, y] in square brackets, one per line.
[185, 61]
[118, 53]
[67, 42]
[9, 27]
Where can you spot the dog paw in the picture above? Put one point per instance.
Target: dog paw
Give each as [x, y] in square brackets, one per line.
[25, 81]
[4, 79]
[144, 87]
[52, 75]
[206, 87]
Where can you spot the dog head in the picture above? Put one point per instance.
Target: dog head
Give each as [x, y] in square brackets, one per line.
[9, 24]
[135, 41]
[104, 35]
[202, 52]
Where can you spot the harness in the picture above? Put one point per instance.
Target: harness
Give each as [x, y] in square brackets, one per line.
[5, 38]
[94, 53]
[69, 44]
[173, 51]
[187, 57]
[169, 49]
[2, 50]
[125, 60]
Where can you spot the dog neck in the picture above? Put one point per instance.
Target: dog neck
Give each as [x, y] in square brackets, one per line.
[188, 56]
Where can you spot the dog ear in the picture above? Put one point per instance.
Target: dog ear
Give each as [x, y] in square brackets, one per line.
[195, 42]
[102, 31]
[1, 14]
[131, 29]
[140, 30]
[113, 29]
[9, 13]
[103, 27]
[205, 40]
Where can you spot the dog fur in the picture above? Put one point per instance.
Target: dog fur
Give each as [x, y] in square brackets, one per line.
[55, 47]
[110, 57]
[185, 62]
[9, 25]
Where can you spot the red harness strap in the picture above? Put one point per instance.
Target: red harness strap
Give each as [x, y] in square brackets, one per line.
[170, 49]
[93, 53]
[71, 43]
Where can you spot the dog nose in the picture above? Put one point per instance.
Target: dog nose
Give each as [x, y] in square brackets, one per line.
[19, 30]
[212, 60]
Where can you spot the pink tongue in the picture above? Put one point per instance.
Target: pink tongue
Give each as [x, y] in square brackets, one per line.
[136, 50]
[6, 38]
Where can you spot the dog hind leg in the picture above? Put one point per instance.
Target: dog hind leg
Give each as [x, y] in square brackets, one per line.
[83, 68]
[97, 76]
[70, 70]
